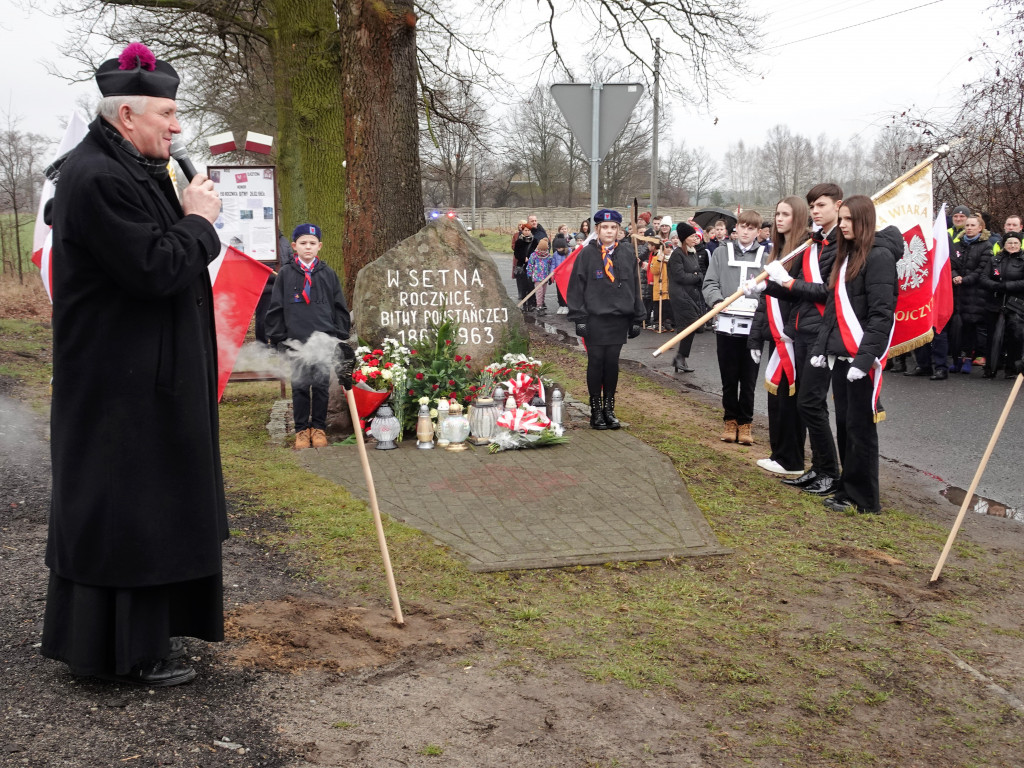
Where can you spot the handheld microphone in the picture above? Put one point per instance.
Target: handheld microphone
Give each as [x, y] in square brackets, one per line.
[180, 153]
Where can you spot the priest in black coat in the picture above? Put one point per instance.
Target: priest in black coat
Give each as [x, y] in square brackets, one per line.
[138, 515]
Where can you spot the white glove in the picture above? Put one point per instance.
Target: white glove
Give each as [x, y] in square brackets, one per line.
[751, 288]
[855, 374]
[819, 361]
[755, 355]
[777, 273]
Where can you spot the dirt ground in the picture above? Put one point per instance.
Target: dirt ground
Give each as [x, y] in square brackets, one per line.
[309, 678]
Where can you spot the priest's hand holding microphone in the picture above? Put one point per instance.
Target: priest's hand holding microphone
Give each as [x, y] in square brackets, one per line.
[199, 197]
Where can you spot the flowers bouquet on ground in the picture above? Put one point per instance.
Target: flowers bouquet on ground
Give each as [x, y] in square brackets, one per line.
[381, 372]
[525, 427]
[438, 369]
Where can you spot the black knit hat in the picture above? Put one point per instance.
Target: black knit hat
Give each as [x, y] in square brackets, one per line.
[1014, 235]
[684, 230]
[137, 72]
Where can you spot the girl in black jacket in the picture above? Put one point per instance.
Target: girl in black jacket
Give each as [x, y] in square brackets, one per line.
[604, 303]
[968, 259]
[685, 279]
[854, 339]
[773, 322]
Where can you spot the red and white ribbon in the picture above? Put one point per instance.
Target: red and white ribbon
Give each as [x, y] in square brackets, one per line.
[782, 359]
[524, 420]
[812, 271]
[853, 333]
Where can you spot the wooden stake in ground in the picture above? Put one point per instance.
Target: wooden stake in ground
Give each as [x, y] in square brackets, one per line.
[372, 491]
[977, 478]
[720, 306]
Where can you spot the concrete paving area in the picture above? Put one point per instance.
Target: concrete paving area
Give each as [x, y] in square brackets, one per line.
[603, 496]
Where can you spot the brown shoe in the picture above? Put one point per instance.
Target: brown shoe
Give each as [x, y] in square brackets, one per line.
[319, 438]
[729, 433]
[302, 439]
[745, 438]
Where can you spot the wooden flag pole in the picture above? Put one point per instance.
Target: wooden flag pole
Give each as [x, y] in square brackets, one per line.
[372, 491]
[721, 306]
[536, 288]
[977, 478]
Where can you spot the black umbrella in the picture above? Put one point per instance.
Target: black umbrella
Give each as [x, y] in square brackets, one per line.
[705, 218]
[995, 346]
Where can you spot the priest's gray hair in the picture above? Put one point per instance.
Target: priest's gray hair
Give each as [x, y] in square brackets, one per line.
[109, 106]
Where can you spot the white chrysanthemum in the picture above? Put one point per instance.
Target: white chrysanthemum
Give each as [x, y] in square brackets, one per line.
[424, 401]
[386, 374]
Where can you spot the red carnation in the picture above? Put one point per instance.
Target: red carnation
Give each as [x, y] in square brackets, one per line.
[458, 358]
[411, 393]
[412, 351]
[447, 342]
[434, 386]
[451, 382]
[388, 364]
[419, 377]
[374, 374]
[453, 394]
[378, 351]
[136, 55]
[468, 358]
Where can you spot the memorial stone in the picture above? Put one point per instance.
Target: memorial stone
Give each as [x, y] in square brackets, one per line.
[439, 271]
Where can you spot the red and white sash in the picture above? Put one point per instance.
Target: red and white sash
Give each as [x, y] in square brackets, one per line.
[812, 271]
[853, 334]
[782, 358]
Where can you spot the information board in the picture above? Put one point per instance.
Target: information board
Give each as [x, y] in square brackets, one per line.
[248, 218]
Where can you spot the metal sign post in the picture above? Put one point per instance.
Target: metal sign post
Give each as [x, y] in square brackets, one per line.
[596, 113]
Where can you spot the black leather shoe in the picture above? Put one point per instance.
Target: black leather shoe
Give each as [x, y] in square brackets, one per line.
[837, 504]
[919, 372]
[806, 478]
[823, 486]
[939, 375]
[899, 365]
[161, 673]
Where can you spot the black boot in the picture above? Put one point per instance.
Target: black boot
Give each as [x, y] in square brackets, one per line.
[597, 413]
[609, 413]
[679, 364]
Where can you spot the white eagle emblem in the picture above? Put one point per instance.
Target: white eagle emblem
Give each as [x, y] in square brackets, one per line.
[912, 269]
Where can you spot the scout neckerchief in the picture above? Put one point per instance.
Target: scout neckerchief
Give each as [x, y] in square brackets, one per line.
[783, 356]
[606, 257]
[852, 332]
[307, 272]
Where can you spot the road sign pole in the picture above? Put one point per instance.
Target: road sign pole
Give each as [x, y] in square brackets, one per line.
[595, 145]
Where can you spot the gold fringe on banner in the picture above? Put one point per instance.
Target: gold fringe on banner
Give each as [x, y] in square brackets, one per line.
[911, 344]
[773, 389]
[879, 417]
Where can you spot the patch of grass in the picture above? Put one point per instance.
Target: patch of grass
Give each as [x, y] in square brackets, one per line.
[493, 240]
[26, 356]
[431, 750]
[343, 724]
[739, 627]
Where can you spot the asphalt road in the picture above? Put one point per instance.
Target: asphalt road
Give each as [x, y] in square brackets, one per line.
[938, 427]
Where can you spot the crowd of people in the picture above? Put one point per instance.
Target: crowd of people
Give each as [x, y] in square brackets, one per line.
[823, 318]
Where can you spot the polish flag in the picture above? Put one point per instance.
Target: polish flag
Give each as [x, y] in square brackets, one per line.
[221, 143]
[942, 277]
[42, 236]
[238, 282]
[563, 271]
[258, 142]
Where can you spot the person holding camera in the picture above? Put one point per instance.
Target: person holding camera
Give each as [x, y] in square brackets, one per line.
[604, 303]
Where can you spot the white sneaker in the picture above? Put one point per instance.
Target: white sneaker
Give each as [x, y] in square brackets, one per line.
[562, 311]
[773, 466]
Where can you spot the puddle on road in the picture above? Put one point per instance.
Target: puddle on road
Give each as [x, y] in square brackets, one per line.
[983, 506]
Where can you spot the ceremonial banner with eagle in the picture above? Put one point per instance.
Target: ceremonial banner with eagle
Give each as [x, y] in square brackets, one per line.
[923, 272]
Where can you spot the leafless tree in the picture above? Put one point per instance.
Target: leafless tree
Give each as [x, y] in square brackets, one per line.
[706, 174]
[21, 175]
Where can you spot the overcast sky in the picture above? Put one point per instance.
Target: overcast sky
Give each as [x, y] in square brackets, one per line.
[852, 80]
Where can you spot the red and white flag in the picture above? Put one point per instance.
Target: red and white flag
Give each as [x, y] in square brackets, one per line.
[908, 206]
[221, 143]
[258, 142]
[942, 276]
[238, 281]
[42, 236]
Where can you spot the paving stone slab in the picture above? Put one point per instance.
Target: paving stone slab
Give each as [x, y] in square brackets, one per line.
[604, 496]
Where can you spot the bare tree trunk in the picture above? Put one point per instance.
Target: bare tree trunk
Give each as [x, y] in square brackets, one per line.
[17, 245]
[383, 194]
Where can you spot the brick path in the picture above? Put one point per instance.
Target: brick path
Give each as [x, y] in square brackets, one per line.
[604, 496]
